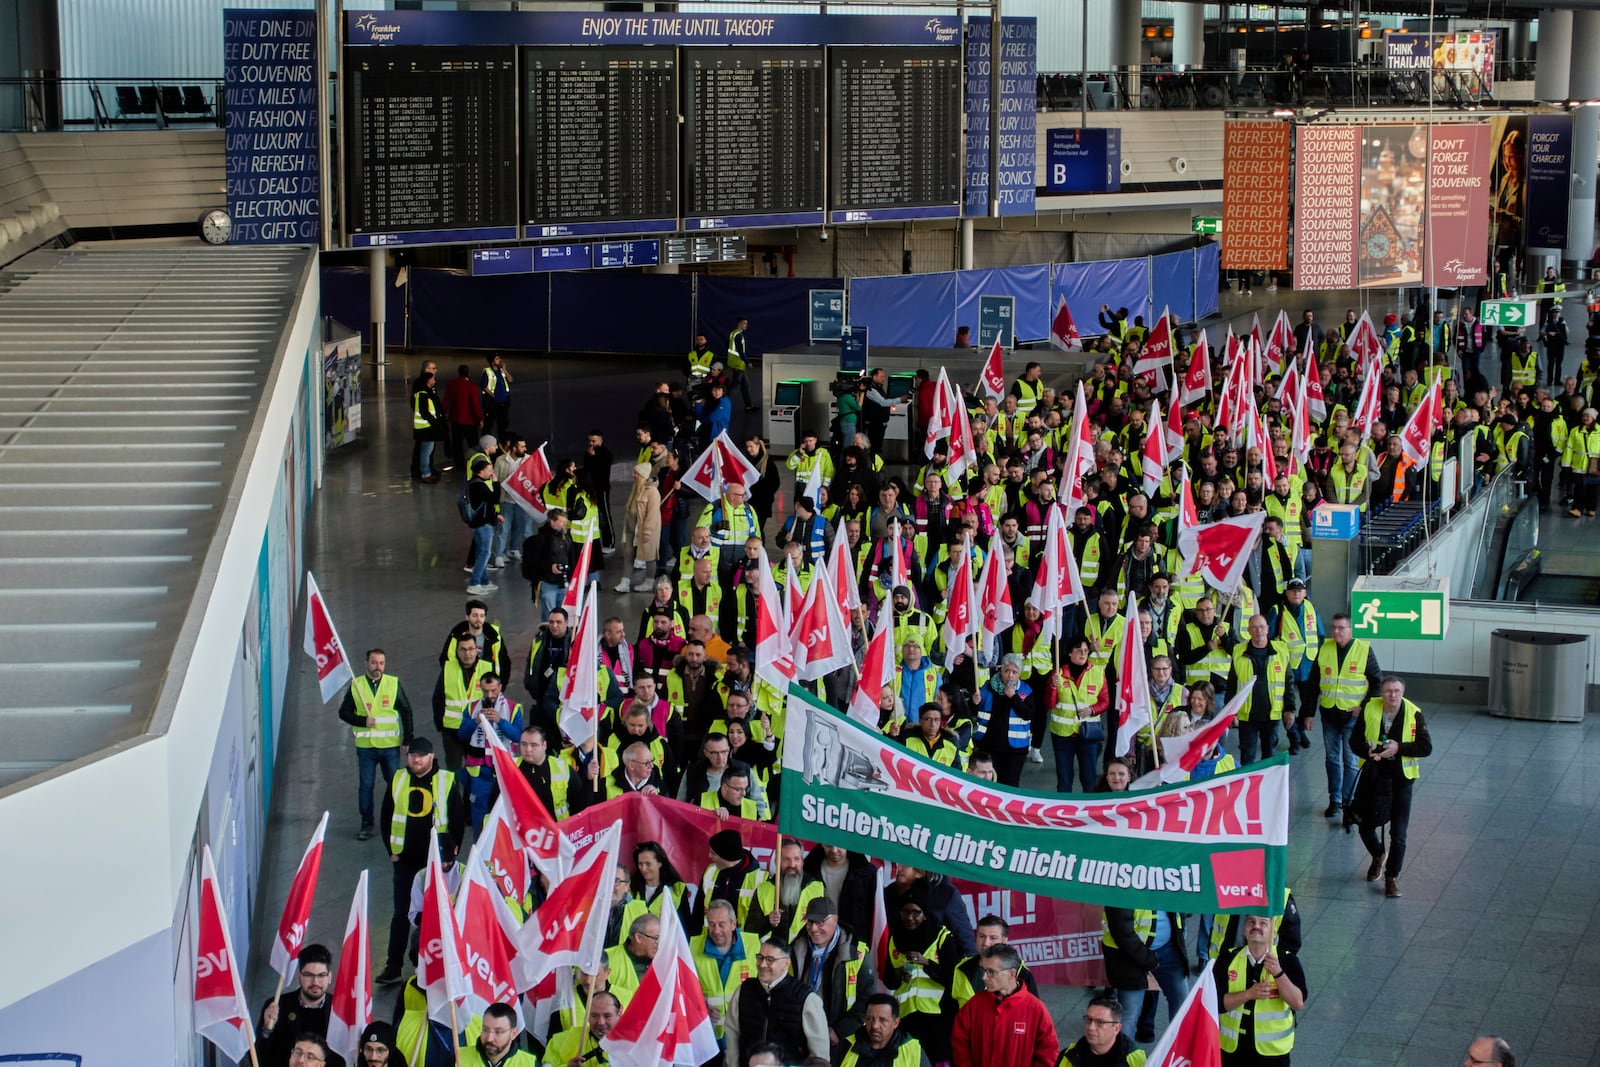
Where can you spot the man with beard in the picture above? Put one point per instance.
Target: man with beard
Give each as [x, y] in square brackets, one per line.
[782, 904]
[580, 1044]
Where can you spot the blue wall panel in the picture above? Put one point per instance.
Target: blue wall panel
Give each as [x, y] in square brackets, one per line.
[1172, 284]
[453, 309]
[347, 298]
[907, 310]
[621, 312]
[1121, 283]
[779, 309]
[1207, 279]
[1030, 286]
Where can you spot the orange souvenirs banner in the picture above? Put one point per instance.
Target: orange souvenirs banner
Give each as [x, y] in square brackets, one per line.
[1327, 200]
[1255, 195]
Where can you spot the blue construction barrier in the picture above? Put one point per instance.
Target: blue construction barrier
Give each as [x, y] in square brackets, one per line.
[1119, 283]
[627, 313]
[1029, 286]
[779, 309]
[1207, 279]
[1172, 284]
[906, 310]
[453, 309]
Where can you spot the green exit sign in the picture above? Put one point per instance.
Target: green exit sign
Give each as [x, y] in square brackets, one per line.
[1507, 313]
[1400, 609]
[1207, 224]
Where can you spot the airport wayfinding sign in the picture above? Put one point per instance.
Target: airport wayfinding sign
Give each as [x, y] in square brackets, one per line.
[1508, 313]
[1400, 609]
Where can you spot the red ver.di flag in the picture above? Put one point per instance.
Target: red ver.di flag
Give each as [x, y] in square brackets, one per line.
[221, 1015]
[1458, 205]
[322, 644]
[297, 908]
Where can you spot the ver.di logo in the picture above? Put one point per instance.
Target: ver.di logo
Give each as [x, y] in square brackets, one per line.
[1240, 878]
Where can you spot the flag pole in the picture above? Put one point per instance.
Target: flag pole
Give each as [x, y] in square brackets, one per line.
[255, 1060]
[455, 1035]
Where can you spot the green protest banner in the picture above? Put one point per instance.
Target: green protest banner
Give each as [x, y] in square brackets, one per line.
[1211, 846]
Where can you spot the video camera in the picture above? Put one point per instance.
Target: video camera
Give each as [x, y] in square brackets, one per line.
[846, 382]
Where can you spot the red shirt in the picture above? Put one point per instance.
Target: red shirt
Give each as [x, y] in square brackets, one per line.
[461, 403]
[1014, 1032]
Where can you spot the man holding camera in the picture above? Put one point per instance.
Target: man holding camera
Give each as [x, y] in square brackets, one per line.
[547, 562]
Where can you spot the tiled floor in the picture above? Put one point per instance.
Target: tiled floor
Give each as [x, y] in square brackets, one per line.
[1496, 931]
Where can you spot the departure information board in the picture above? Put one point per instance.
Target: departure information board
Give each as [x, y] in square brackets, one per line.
[600, 141]
[431, 145]
[754, 126]
[894, 146]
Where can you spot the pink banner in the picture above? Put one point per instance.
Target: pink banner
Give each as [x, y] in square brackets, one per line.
[1058, 939]
[1458, 206]
[1327, 206]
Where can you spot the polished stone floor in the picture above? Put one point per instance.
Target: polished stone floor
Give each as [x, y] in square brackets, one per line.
[1497, 930]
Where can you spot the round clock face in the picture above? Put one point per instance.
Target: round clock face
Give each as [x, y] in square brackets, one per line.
[216, 226]
[1377, 246]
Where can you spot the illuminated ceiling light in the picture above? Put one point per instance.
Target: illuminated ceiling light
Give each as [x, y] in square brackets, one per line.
[1283, 113]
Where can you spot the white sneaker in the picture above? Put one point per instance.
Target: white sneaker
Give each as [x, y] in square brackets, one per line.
[638, 564]
[468, 569]
[489, 587]
[1035, 756]
[499, 561]
[515, 553]
[477, 590]
[623, 587]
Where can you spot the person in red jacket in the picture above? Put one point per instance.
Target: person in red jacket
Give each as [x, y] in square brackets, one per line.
[1004, 1025]
[464, 411]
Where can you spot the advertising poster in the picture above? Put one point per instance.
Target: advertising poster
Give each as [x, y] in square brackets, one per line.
[1459, 53]
[1255, 196]
[1549, 180]
[1509, 183]
[1393, 197]
[1327, 199]
[1458, 206]
[270, 72]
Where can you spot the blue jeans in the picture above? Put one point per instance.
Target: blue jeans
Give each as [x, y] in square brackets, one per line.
[368, 761]
[425, 458]
[517, 529]
[1074, 749]
[1257, 740]
[1169, 976]
[482, 545]
[1340, 761]
[550, 596]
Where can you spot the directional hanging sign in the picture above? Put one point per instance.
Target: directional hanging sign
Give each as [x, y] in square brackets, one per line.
[1508, 313]
[1400, 609]
[1207, 224]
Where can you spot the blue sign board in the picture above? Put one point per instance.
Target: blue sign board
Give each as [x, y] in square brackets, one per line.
[433, 237]
[599, 229]
[1083, 161]
[561, 257]
[1335, 522]
[487, 261]
[270, 99]
[1549, 180]
[627, 253]
[1016, 131]
[853, 348]
[827, 314]
[997, 320]
[667, 28]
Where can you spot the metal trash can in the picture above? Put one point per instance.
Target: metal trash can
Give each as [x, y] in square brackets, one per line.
[1535, 675]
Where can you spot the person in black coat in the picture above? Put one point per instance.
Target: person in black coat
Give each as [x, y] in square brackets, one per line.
[303, 1010]
[1133, 959]
[857, 887]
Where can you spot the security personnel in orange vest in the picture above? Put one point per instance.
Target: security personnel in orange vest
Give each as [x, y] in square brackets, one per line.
[1267, 662]
[423, 801]
[376, 708]
[1390, 739]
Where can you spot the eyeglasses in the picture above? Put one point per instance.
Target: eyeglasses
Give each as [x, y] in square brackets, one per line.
[498, 1032]
[649, 937]
[1090, 1020]
[994, 972]
[317, 976]
[771, 960]
[302, 1056]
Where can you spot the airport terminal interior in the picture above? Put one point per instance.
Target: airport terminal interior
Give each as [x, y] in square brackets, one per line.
[233, 234]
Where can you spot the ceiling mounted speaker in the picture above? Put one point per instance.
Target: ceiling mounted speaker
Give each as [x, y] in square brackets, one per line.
[1180, 165]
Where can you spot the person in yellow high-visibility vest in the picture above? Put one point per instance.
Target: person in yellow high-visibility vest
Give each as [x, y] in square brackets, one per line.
[376, 708]
[1390, 739]
[1582, 458]
[1259, 994]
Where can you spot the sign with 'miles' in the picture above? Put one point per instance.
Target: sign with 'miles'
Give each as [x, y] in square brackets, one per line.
[270, 99]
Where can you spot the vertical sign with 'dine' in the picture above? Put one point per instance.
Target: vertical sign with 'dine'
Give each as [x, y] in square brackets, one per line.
[270, 93]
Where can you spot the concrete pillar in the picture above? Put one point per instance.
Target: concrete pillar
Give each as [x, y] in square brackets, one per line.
[1554, 69]
[378, 278]
[1188, 34]
[966, 244]
[1581, 205]
[1583, 79]
[1127, 42]
[1519, 49]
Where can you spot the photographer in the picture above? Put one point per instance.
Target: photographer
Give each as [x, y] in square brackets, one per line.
[547, 561]
[877, 407]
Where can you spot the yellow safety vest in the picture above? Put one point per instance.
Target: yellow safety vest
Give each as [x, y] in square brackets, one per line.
[747, 889]
[419, 419]
[1343, 687]
[1348, 486]
[712, 800]
[1583, 446]
[1287, 513]
[1075, 698]
[1213, 663]
[435, 799]
[1144, 928]
[1104, 636]
[710, 973]
[909, 1054]
[1277, 674]
[917, 992]
[1525, 368]
[379, 705]
[944, 752]
[1301, 645]
[1030, 394]
[1372, 728]
[1089, 565]
[560, 782]
[457, 695]
[1274, 1020]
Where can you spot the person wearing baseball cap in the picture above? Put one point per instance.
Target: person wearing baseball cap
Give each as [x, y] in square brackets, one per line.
[423, 800]
[837, 966]
[1295, 623]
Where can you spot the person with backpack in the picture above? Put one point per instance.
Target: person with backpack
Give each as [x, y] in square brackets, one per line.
[479, 505]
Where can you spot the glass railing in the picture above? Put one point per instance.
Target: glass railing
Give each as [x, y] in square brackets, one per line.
[48, 103]
[1168, 88]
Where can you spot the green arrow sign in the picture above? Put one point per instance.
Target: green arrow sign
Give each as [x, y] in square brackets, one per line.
[1209, 224]
[1399, 610]
[1507, 313]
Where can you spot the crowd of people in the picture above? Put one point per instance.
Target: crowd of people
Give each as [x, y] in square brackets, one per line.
[783, 954]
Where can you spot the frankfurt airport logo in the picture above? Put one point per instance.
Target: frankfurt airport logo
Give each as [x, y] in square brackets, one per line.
[377, 33]
[940, 32]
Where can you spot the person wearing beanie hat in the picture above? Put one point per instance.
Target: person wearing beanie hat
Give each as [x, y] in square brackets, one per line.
[377, 1047]
[732, 874]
